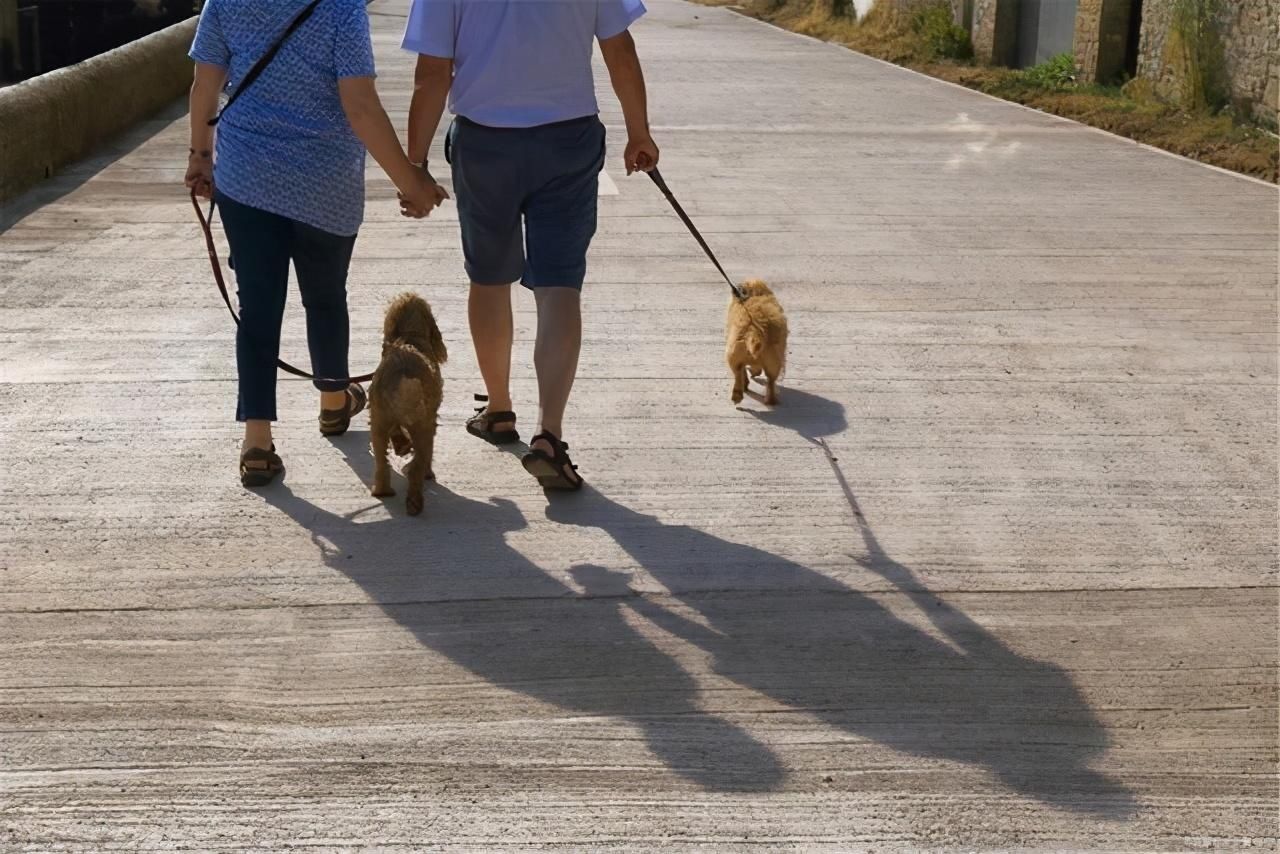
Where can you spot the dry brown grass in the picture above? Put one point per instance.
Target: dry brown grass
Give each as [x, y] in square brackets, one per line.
[1218, 140]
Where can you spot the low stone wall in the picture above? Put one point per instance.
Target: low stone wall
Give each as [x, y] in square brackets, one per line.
[60, 117]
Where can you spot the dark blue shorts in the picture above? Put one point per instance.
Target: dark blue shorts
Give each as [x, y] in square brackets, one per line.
[527, 200]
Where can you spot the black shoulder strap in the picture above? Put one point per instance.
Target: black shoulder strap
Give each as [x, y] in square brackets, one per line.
[261, 64]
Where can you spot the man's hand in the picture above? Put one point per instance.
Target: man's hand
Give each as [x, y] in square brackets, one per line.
[422, 196]
[200, 175]
[641, 154]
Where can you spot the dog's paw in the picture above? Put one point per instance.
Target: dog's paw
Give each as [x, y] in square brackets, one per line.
[384, 492]
[736, 397]
[413, 504]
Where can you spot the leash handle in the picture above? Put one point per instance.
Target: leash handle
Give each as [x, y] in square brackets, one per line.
[693, 229]
[265, 60]
[206, 225]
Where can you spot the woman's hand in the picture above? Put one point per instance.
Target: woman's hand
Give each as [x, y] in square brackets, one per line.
[200, 174]
[208, 83]
[422, 196]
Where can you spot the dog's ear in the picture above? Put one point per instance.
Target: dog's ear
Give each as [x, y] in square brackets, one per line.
[436, 341]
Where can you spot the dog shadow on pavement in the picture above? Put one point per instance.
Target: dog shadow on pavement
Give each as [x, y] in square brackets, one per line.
[811, 416]
[450, 578]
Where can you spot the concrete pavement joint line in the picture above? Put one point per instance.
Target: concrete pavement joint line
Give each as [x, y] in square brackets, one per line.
[1062, 119]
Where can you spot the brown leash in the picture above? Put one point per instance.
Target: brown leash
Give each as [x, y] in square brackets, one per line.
[207, 227]
[656, 176]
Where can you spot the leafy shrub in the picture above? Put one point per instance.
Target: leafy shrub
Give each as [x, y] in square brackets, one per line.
[1056, 73]
[942, 37]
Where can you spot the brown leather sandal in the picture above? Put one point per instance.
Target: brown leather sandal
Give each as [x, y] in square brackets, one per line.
[481, 424]
[334, 422]
[552, 470]
[258, 467]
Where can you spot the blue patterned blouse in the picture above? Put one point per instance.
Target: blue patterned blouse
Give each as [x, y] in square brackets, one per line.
[285, 146]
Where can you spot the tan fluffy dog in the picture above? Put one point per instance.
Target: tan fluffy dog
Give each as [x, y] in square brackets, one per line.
[404, 399]
[756, 339]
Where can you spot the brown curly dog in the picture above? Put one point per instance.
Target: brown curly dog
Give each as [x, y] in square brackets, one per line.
[404, 399]
[756, 339]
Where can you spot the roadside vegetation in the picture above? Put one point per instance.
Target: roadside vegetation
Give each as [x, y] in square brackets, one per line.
[1191, 117]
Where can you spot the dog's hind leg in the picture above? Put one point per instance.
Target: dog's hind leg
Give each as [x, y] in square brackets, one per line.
[772, 370]
[378, 439]
[739, 371]
[424, 440]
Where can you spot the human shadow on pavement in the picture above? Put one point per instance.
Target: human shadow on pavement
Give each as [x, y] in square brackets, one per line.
[814, 644]
[450, 578]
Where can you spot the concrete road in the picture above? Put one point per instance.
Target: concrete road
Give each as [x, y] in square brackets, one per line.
[1000, 571]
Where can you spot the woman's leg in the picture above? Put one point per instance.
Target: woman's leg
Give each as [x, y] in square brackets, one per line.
[260, 252]
[321, 261]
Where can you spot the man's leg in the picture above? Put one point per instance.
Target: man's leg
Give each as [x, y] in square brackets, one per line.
[560, 220]
[489, 313]
[555, 355]
[488, 184]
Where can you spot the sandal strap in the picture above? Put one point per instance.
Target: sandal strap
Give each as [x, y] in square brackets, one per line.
[357, 399]
[488, 418]
[260, 459]
[559, 448]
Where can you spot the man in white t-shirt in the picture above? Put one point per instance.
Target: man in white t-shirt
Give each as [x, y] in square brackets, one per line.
[526, 149]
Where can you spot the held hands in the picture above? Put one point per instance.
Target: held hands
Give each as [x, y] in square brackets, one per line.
[422, 196]
[641, 154]
[200, 174]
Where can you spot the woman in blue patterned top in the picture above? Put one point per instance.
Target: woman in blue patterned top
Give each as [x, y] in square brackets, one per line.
[289, 179]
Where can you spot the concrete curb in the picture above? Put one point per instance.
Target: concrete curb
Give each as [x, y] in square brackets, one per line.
[59, 117]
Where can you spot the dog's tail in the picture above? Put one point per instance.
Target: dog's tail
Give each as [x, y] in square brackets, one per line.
[408, 395]
[400, 375]
[754, 339]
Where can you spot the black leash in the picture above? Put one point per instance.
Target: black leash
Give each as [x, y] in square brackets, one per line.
[684, 217]
[206, 225]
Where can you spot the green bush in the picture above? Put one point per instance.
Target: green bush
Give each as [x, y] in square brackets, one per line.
[1056, 73]
[942, 37]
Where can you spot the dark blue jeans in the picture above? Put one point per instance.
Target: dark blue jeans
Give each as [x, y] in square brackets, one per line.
[262, 245]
